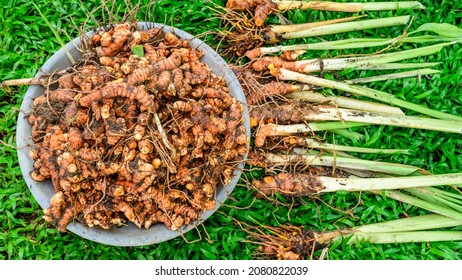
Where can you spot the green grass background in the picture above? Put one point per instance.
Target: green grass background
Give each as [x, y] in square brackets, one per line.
[26, 42]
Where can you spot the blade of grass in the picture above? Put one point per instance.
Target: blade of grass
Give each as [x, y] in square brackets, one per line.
[407, 74]
[353, 136]
[311, 143]
[397, 66]
[60, 41]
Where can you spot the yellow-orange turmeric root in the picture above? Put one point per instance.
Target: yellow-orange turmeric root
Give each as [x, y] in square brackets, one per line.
[126, 138]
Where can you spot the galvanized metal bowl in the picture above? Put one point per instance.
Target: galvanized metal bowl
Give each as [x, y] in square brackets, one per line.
[128, 235]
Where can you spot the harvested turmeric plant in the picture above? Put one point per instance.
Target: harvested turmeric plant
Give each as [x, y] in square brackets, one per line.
[139, 130]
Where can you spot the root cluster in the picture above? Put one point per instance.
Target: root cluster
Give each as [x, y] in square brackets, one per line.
[261, 8]
[240, 34]
[259, 88]
[285, 243]
[141, 139]
[295, 184]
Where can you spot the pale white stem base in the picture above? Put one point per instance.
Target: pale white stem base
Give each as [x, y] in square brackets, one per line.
[346, 102]
[366, 184]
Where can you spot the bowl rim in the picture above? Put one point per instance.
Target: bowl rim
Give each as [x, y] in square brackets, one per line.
[128, 235]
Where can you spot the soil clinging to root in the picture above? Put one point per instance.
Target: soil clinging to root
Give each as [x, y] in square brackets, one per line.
[143, 138]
